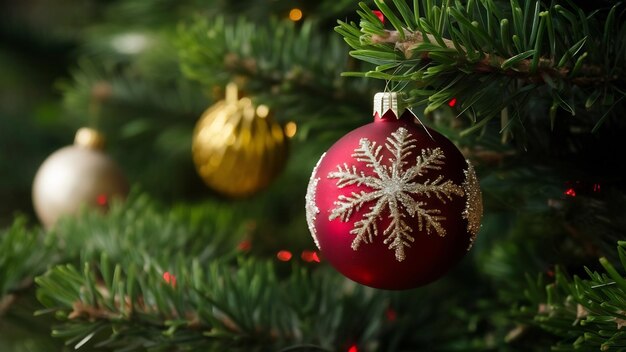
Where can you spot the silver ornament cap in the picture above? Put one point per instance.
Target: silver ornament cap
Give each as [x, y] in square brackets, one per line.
[385, 101]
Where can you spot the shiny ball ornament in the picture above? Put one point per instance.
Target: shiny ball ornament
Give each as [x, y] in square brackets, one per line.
[77, 176]
[393, 204]
[237, 148]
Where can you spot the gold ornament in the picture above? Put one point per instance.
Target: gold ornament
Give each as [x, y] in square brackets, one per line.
[76, 176]
[237, 148]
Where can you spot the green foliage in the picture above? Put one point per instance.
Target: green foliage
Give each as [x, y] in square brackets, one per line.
[24, 251]
[137, 224]
[495, 60]
[291, 68]
[213, 306]
[119, 299]
[588, 314]
[210, 230]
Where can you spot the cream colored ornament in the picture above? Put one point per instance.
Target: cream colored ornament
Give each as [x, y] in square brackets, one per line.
[237, 148]
[77, 176]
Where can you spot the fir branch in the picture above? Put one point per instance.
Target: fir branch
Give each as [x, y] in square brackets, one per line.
[122, 300]
[515, 66]
[138, 223]
[588, 313]
[210, 308]
[207, 230]
[25, 252]
[493, 62]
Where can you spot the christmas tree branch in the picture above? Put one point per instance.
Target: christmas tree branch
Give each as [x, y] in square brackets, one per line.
[588, 313]
[29, 252]
[25, 253]
[496, 63]
[202, 307]
[521, 69]
[168, 280]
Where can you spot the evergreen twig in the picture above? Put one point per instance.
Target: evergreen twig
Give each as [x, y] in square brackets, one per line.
[495, 62]
[521, 69]
[588, 313]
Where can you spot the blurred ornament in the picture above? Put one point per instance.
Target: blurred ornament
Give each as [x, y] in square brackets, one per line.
[237, 148]
[76, 176]
[393, 204]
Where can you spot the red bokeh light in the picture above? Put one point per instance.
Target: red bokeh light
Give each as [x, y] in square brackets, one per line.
[570, 192]
[284, 256]
[244, 245]
[391, 315]
[169, 278]
[102, 199]
[310, 256]
[353, 348]
[380, 15]
[452, 102]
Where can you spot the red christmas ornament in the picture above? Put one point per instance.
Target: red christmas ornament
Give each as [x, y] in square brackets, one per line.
[393, 204]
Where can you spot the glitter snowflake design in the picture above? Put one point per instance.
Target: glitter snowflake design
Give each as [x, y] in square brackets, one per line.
[392, 188]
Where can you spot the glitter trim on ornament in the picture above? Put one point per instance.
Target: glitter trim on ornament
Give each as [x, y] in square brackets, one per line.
[474, 203]
[391, 187]
[311, 208]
